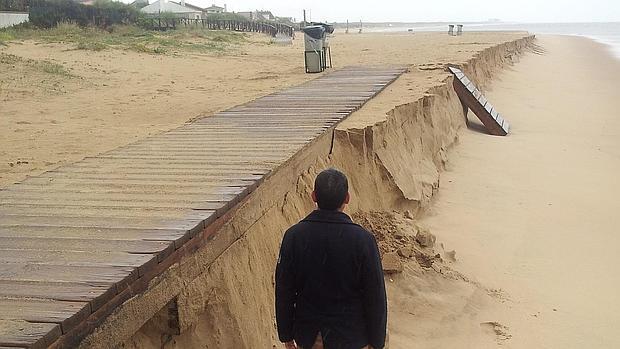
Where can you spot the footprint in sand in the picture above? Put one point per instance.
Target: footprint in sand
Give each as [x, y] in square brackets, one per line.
[497, 330]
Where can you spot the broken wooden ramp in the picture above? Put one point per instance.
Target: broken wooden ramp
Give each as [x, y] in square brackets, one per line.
[78, 241]
[474, 100]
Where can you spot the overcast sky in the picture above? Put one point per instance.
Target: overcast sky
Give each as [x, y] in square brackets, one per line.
[434, 10]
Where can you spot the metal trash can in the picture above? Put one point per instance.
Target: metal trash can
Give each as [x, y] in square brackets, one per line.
[314, 37]
[327, 52]
[450, 29]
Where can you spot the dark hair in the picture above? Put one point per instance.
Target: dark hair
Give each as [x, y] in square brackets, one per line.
[331, 187]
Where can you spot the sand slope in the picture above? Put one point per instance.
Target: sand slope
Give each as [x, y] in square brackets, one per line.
[533, 216]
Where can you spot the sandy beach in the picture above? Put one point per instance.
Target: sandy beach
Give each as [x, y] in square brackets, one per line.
[531, 215]
[528, 217]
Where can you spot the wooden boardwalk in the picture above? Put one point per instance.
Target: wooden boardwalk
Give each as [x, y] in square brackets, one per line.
[78, 241]
[475, 100]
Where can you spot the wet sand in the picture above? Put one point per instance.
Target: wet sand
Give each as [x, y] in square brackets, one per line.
[533, 216]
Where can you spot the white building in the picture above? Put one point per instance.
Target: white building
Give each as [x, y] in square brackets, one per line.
[215, 9]
[179, 9]
[258, 15]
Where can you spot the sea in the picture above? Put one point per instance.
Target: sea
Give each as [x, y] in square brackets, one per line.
[606, 33]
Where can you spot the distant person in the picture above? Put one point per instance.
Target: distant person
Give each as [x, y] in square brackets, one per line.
[330, 291]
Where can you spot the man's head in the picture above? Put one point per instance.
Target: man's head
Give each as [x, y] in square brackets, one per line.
[331, 190]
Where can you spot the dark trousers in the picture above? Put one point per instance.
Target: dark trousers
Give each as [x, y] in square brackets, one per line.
[318, 343]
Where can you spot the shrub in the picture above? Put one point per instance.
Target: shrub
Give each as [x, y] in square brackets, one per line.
[103, 13]
[14, 5]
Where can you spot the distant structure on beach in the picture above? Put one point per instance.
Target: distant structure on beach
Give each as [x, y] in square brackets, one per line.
[459, 29]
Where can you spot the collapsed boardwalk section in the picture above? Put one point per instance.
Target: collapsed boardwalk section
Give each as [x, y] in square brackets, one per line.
[77, 242]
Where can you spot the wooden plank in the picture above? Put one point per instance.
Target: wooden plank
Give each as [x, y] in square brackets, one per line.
[81, 201]
[115, 186]
[92, 233]
[475, 101]
[159, 171]
[203, 177]
[506, 126]
[23, 334]
[65, 314]
[470, 87]
[227, 195]
[89, 245]
[114, 212]
[488, 107]
[68, 255]
[215, 206]
[119, 277]
[133, 191]
[86, 222]
[177, 237]
[95, 294]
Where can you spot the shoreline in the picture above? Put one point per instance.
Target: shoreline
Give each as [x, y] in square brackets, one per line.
[525, 209]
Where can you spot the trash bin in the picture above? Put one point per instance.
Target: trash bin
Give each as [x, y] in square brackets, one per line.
[450, 29]
[329, 29]
[327, 53]
[314, 37]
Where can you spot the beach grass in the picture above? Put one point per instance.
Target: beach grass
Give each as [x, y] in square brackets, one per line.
[131, 38]
[44, 66]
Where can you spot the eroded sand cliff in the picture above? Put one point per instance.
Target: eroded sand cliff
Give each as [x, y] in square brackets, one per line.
[393, 151]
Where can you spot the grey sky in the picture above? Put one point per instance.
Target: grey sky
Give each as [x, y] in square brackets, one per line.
[435, 10]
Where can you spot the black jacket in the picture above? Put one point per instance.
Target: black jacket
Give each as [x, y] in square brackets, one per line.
[329, 279]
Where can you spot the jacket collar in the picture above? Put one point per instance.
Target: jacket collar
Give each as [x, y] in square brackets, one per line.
[327, 216]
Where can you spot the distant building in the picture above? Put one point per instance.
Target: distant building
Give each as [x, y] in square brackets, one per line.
[179, 9]
[214, 9]
[140, 3]
[264, 16]
[247, 14]
[258, 15]
[285, 20]
[193, 7]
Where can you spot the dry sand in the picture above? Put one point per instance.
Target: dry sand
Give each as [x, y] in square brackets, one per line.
[118, 97]
[531, 215]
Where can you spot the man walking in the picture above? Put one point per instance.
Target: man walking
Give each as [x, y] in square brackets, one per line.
[330, 291]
